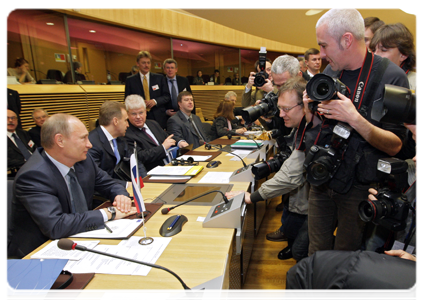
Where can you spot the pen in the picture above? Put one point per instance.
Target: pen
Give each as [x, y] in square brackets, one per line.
[174, 222]
[108, 228]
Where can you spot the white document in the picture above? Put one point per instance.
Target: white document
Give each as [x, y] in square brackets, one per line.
[121, 228]
[195, 157]
[135, 296]
[241, 153]
[51, 251]
[130, 248]
[216, 177]
[169, 171]
[168, 177]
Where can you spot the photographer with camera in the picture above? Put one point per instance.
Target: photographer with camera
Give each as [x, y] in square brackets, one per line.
[290, 177]
[347, 168]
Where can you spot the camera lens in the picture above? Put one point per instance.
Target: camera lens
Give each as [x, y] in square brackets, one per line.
[259, 80]
[373, 210]
[322, 89]
[319, 171]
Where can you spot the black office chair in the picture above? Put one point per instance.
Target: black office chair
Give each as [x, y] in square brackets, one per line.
[10, 197]
[190, 79]
[123, 76]
[244, 80]
[207, 128]
[228, 81]
[206, 78]
[55, 74]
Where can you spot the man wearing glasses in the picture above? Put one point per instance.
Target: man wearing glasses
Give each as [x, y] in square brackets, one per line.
[19, 144]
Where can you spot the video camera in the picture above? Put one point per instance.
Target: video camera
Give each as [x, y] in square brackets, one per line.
[323, 87]
[397, 106]
[391, 208]
[261, 76]
[323, 162]
[267, 108]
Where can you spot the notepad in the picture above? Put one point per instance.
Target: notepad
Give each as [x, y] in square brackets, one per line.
[175, 170]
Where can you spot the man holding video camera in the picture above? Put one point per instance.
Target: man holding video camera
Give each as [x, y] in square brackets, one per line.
[357, 141]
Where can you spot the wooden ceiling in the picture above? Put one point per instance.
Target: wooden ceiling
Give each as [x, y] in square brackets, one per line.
[289, 26]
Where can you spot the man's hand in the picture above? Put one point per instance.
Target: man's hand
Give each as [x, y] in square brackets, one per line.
[182, 144]
[250, 82]
[341, 109]
[372, 194]
[232, 194]
[241, 130]
[401, 254]
[170, 112]
[169, 142]
[122, 203]
[306, 101]
[150, 103]
[267, 87]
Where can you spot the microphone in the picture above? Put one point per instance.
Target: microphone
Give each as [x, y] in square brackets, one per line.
[166, 210]
[66, 244]
[209, 146]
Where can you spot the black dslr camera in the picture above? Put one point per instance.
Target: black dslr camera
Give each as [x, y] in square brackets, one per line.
[323, 87]
[391, 208]
[267, 108]
[322, 163]
[265, 168]
[261, 76]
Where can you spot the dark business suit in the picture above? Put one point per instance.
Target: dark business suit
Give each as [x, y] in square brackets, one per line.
[42, 205]
[158, 90]
[105, 158]
[15, 158]
[14, 104]
[182, 129]
[35, 133]
[220, 127]
[150, 154]
[183, 85]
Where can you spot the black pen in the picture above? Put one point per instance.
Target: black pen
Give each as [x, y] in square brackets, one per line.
[174, 222]
[108, 228]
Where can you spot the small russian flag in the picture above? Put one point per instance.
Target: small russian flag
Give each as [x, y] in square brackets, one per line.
[139, 201]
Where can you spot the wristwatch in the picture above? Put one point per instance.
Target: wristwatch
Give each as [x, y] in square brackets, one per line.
[112, 210]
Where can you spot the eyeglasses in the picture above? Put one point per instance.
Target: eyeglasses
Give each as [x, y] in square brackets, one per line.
[287, 109]
[12, 118]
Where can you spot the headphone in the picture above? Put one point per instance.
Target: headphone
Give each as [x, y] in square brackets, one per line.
[209, 146]
[189, 162]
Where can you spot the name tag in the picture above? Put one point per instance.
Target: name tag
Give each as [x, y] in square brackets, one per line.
[155, 87]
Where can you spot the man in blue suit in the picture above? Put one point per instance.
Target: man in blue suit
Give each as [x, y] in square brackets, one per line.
[53, 190]
[151, 87]
[109, 146]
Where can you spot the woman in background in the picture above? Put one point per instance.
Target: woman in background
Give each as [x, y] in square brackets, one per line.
[225, 121]
[21, 71]
[199, 79]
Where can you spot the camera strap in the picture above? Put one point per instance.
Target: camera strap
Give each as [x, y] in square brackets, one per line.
[302, 130]
[362, 81]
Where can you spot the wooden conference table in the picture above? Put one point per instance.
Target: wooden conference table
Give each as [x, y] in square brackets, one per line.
[196, 254]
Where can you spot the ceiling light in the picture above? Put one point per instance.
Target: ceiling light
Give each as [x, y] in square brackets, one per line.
[92, 31]
[50, 24]
[312, 12]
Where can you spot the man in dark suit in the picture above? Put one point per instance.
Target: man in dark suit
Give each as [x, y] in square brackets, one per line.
[54, 189]
[20, 146]
[39, 116]
[152, 141]
[109, 146]
[151, 87]
[176, 85]
[186, 126]
[14, 103]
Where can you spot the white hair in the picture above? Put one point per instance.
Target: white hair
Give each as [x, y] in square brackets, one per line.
[286, 63]
[340, 21]
[134, 102]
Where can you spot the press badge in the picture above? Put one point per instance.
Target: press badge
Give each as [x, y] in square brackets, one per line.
[30, 143]
[155, 87]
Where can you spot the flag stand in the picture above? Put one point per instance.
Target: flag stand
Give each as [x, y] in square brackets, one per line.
[145, 240]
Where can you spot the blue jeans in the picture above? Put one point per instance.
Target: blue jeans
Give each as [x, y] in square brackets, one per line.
[328, 210]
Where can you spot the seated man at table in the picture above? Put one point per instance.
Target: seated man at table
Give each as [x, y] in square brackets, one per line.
[109, 145]
[54, 189]
[184, 125]
[153, 143]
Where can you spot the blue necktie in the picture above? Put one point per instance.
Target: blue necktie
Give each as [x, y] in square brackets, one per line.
[116, 151]
[24, 150]
[174, 95]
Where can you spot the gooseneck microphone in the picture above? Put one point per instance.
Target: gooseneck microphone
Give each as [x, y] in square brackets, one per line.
[166, 209]
[66, 244]
[209, 146]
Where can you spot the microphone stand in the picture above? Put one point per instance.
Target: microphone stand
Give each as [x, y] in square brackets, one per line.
[209, 146]
[83, 248]
[145, 240]
[166, 210]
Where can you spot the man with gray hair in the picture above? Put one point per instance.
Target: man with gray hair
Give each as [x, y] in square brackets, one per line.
[334, 203]
[153, 143]
[54, 189]
[39, 116]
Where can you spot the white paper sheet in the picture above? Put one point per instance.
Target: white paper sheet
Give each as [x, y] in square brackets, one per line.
[121, 228]
[51, 251]
[216, 177]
